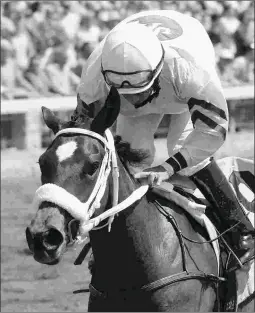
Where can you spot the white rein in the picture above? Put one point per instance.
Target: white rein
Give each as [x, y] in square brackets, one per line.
[83, 211]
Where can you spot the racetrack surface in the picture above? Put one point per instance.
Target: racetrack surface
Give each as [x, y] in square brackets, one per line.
[27, 286]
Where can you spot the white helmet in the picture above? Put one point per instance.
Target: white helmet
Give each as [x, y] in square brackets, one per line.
[132, 58]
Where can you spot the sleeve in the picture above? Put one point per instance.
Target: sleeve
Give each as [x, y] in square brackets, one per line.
[92, 86]
[202, 91]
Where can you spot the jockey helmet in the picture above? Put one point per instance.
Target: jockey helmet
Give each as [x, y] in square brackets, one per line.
[132, 58]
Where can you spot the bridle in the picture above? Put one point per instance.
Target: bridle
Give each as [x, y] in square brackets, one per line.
[83, 211]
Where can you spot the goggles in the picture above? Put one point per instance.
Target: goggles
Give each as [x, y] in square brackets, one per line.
[137, 79]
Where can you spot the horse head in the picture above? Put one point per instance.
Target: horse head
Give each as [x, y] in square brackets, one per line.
[70, 168]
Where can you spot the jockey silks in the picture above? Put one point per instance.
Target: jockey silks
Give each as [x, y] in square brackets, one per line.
[188, 75]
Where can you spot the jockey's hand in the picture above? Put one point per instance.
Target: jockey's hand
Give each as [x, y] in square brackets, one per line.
[153, 176]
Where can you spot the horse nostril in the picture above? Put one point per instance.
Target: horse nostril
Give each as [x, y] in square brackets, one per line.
[52, 239]
[30, 239]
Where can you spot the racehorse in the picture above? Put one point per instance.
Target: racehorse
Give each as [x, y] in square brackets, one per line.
[143, 262]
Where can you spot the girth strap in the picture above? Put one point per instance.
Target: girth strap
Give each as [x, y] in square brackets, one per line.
[169, 280]
[166, 281]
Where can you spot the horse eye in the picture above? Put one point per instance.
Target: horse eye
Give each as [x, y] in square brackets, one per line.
[95, 165]
[92, 168]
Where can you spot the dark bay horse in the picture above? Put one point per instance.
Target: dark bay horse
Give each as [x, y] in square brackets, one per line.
[143, 263]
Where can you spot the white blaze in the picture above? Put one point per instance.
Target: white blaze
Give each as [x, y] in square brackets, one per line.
[66, 150]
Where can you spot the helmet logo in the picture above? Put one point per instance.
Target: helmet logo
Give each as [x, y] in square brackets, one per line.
[164, 27]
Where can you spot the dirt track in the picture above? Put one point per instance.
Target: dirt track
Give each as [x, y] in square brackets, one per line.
[27, 286]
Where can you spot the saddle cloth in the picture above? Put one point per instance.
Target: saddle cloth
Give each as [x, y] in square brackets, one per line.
[240, 174]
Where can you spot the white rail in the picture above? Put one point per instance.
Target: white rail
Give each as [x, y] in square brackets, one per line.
[27, 125]
[25, 105]
[69, 103]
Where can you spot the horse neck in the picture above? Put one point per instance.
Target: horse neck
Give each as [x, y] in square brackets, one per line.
[143, 247]
[133, 253]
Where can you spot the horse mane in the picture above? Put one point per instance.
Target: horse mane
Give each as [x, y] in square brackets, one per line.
[128, 155]
[79, 121]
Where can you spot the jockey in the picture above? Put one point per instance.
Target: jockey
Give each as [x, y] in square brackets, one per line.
[163, 62]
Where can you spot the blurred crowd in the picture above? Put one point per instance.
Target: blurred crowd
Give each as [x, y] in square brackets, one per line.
[44, 45]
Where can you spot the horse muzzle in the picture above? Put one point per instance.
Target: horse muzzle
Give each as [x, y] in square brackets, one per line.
[46, 235]
[47, 246]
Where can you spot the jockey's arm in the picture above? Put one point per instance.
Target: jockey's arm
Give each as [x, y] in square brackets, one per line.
[209, 115]
[90, 92]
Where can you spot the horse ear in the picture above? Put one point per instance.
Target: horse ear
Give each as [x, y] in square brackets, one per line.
[108, 114]
[51, 120]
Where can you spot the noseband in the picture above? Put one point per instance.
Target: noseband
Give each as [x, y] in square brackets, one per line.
[83, 211]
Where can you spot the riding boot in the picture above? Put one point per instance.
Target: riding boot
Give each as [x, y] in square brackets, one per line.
[216, 189]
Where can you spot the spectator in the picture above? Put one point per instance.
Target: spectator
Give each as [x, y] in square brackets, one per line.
[83, 54]
[225, 53]
[214, 32]
[37, 78]
[88, 32]
[229, 22]
[7, 25]
[13, 83]
[72, 15]
[37, 12]
[244, 36]
[57, 40]
[47, 27]
[22, 44]
[58, 45]
[7, 70]
[243, 67]
[104, 29]
[108, 21]
[34, 20]
[50, 29]
[213, 8]
[62, 80]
